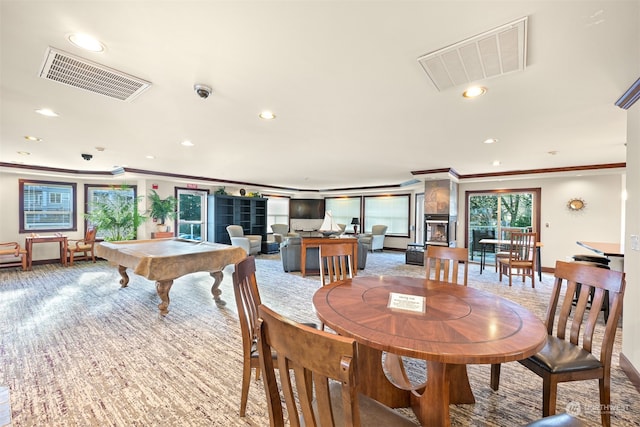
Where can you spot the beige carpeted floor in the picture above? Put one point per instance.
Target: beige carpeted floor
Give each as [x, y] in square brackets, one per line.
[77, 350]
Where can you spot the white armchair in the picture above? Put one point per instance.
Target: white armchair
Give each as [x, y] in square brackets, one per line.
[281, 232]
[252, 244]
[375, 238]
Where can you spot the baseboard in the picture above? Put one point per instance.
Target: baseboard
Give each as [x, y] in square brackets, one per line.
[631, 371]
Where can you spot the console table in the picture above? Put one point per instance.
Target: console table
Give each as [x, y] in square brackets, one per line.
[30, 240]
[314, 242]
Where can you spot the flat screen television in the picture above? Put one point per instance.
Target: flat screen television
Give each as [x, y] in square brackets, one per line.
[306, 208]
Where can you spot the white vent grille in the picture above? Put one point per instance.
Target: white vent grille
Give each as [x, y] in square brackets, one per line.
[71, 70]
[491, 54]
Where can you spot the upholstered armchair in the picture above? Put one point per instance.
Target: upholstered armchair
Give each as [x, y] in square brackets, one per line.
[250, 243]
[375, 239]
[281, 232]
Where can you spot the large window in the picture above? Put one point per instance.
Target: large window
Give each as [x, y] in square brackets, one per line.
[392, 211]
[115, 198]
[277, 211]
[344, 209]
[47, 206]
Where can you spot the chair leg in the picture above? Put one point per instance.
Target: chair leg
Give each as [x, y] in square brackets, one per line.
[549, 395]
[495, 376]
[71, 259]
[246, 381]
[605, 401]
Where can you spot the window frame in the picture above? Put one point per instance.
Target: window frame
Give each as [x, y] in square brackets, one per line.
[87, 199]
[349, 226]
[73, 208]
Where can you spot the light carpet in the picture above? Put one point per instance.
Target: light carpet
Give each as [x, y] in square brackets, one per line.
[77, 350]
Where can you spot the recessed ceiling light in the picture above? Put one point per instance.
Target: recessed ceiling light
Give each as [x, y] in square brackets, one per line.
[490, 141]
[100, 149]
[474, 92]
[47, 112]
[85, 41]
[496, 163]
[150, 157]
[267, 115]
[553, 153]
[186, 144]
[32, 138]
[23, 153]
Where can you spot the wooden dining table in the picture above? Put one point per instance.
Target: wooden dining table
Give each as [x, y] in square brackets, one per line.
[458, 325]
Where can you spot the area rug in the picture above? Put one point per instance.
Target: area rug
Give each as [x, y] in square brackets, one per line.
[78, 350]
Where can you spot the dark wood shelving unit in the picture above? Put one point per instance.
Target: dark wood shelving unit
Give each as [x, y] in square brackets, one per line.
[248, 212]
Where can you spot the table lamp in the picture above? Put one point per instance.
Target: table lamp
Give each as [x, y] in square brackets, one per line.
[355, 222]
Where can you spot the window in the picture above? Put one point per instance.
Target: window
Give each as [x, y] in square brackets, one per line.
[277, 211]
[101, 194]
[47, 206]
[343, 209]
[392, 211]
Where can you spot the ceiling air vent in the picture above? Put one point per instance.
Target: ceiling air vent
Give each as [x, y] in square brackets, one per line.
[71, 70]
[491, 54]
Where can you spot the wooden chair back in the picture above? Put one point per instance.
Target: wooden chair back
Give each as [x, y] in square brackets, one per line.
[446, 263]
[245, 289]
[593, 281]
[336, 262]
[314, 357]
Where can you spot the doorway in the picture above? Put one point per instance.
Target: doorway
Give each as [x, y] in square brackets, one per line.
[192, 213]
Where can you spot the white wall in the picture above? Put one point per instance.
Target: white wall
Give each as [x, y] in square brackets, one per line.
[599, 221]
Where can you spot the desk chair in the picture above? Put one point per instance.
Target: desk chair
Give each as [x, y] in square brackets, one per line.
[82, 246]
[567, 356]
[446, 262]
[315, 357]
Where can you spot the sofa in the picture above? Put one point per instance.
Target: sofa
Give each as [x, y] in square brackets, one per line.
[290, 254]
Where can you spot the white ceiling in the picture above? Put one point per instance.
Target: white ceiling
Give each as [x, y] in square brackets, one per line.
[354, 107]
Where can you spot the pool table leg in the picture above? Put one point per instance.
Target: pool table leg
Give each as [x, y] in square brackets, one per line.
[163, 287]
[124, 281]
[215, 289]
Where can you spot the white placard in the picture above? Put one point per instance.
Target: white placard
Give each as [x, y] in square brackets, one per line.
[407, 302]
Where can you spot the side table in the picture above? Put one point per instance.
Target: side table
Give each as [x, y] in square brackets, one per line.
[415, 254]
[30, 240]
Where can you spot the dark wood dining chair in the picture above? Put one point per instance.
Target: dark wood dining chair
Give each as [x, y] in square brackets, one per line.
[82, 246]
[568, 356]
[316, 358]
[445, 263]
[521, 258]
[336, 262]
[245, 288]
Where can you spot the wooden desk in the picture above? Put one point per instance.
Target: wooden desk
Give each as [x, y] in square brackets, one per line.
[498, 242]
[164, 260]
[314, 242]
[461, 325]
[30, 240]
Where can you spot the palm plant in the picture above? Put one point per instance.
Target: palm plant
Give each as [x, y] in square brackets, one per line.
[162, 209]
[115, 214]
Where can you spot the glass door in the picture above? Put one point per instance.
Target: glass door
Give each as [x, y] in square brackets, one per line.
[192, 213]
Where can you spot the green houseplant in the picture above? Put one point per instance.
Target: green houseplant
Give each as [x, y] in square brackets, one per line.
[162, 209]
[115, 214]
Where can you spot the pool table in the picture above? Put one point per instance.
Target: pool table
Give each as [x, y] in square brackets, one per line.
[164, 260]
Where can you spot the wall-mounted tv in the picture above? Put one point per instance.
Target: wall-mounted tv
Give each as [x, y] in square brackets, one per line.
[306, 208]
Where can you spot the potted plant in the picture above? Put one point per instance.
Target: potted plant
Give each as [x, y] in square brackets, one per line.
[115, 214]
[162, 209]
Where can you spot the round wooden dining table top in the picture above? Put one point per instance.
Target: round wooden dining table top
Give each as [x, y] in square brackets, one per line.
[459, 325]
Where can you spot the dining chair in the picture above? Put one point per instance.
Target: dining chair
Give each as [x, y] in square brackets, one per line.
[521, 258]
[567, 356]
[336, 262]
[502, 252]
[445, 262]
[245, 289]
[82, 246]
[325, 377]
[247, 295]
